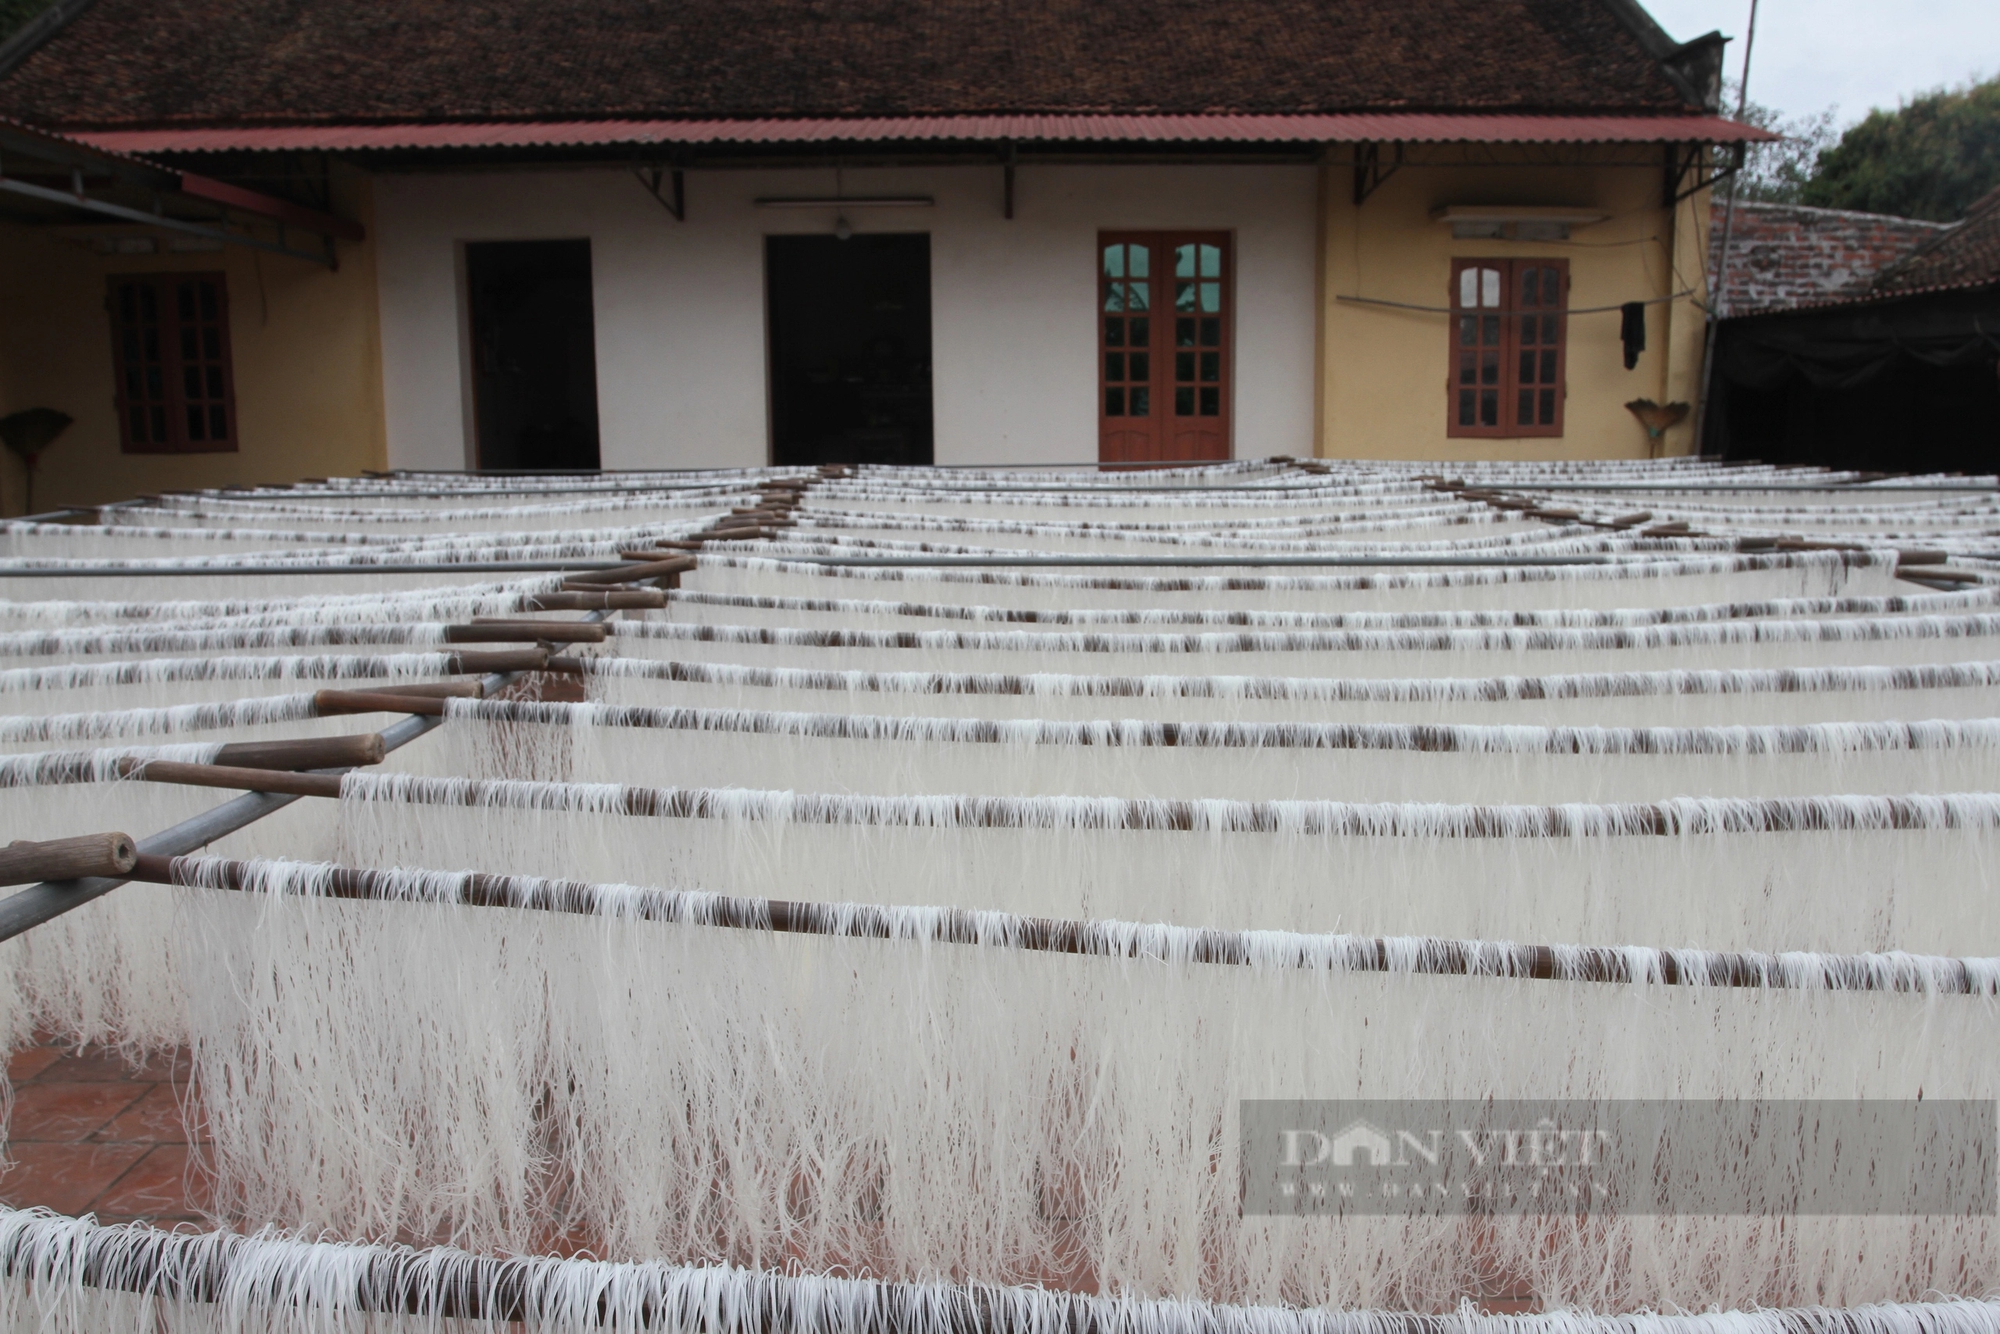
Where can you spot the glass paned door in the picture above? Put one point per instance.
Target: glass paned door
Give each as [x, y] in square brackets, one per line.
[1164, 373]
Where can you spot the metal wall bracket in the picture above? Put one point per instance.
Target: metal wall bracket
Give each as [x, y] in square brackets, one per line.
[1369, 173]
[76, 198]
[672, 198]
[1684, 160]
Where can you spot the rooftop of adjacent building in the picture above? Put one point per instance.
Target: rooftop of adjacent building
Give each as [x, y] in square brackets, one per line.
[1792, 257]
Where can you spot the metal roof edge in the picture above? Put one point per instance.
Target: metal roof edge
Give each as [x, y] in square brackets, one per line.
[1210, 127]
[22, 139]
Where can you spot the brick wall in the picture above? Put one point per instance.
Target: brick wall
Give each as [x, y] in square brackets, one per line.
[1783, 255]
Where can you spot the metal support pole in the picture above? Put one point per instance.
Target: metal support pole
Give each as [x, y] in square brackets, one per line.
[1718, 292]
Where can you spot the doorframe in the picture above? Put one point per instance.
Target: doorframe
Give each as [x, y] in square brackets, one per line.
[929, 236]
[1166, 239]
[468, 351]
[770, 360]
[468, 388]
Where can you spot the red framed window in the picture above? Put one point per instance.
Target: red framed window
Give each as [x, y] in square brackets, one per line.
[170, 348]
[1164, 345]
[1509, 346]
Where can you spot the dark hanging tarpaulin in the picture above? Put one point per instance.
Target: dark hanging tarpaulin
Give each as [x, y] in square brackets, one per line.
[1845, 347]
[1902, 385]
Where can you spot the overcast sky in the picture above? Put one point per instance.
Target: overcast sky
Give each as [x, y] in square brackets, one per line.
[1858, 53]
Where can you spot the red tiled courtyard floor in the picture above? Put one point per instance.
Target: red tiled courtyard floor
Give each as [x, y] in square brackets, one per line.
[92, 1134]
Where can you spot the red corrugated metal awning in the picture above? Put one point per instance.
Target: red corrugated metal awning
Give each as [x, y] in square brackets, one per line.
[1391, 127]
[142, 188]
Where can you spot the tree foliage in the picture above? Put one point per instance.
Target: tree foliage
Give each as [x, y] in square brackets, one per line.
[1930, 158]
[1777, 173]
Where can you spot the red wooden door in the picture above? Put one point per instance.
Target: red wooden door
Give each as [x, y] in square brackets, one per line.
[1164, 346]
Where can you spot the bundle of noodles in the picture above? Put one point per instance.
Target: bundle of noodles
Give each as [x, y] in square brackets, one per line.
[704, 607]
[1634, 583]
[1664, 698]
[1475, 652]
[1537, 541]
[1708, 872]
[976, 901]
[1327, 517]
[153, 683]
[183, 580]
[442, 603]
[51, 544]
[901, 1109]
[892, 755]
[115, 970]
[255, 718]
[99, 642]
[328, 517]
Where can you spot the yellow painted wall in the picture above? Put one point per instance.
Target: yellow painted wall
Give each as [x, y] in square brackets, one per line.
[1383, 373]
[305, 343]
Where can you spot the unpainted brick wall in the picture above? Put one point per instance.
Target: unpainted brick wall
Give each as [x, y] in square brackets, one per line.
[1783, 255]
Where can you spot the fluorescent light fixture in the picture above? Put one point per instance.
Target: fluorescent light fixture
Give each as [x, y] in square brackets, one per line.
[846, 201]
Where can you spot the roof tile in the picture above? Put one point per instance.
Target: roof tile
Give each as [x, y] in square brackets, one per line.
[1966, 255]
[249, 62]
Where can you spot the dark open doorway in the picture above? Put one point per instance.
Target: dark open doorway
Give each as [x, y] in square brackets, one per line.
[534, 357]
[850, 348]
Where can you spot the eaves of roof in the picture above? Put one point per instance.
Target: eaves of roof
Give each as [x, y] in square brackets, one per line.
[1361, 127]
[28, 145]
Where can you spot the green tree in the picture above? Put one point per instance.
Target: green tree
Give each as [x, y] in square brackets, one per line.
[1930, 158]
[1777, 173]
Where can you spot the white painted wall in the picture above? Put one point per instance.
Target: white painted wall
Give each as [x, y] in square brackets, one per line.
[680, 306]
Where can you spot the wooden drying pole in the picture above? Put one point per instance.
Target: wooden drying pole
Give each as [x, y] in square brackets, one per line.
[67, 858]
[1769, 815]
[1428, 956]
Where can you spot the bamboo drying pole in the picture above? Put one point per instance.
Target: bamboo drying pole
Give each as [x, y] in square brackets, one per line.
[1059, 561]
[621, 599]
[327, 703]
[1769, 815]
[333, 752]
[484, 631]
[67, 858]
[1122, 940]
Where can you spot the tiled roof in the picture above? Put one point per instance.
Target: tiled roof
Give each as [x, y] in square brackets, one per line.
[1782, 256]
[252, 62]
[1968, 255]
